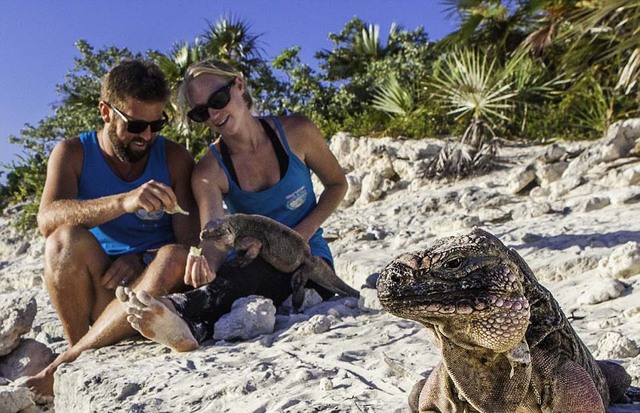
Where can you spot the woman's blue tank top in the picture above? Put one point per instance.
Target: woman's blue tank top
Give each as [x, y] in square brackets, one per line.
[129, 233]
[289, 201]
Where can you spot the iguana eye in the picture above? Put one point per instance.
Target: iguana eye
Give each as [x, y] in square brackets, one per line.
[453, 263]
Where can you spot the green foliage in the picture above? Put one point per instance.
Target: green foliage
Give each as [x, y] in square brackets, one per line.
[230, 38]
[497, 24]
[610, 29]
[74, 113]
[355, 47]
[472, 84]
[24, 185]
[392, 98]
[174, 66]
[533, 69]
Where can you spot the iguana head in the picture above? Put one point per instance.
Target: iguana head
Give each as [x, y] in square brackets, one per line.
[220, 232]
[466, 288]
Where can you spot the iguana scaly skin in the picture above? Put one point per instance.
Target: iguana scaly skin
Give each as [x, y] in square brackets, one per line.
[506, 345]
[280, 246]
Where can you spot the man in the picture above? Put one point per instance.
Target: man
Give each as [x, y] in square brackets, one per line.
[108, 213]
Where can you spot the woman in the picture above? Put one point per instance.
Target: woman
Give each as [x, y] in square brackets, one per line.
[257, 166]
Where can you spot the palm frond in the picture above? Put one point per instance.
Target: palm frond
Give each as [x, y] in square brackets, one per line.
[469, 84]
[618, 23]
[369, 41]
[391, 98]
[630, 73]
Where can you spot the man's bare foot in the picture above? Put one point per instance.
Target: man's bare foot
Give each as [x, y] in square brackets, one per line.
[41, 384]
[156, 320]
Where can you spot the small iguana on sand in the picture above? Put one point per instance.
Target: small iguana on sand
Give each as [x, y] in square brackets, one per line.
[506, 345]
[280, 246]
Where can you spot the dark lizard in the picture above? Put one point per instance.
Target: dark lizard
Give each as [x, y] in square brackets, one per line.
[280, 246]
[506, 345]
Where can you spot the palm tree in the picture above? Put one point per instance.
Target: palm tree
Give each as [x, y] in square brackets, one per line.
[617, 24]
[174, 66]
[500, 24]
[356, 46]
[230, 39]
[473, 85]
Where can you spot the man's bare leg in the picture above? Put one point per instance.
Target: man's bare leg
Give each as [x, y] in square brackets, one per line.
[164, 274]
[156, 319]
[73, 282]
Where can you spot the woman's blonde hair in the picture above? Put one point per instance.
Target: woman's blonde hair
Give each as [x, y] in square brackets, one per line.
[209, 67]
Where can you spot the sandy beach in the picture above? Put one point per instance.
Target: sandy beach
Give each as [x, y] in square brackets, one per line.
[575, 223]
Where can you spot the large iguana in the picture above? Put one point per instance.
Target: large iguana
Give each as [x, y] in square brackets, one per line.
[506, 345]
[280, 246]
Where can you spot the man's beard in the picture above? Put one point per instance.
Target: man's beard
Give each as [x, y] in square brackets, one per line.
[123, 150]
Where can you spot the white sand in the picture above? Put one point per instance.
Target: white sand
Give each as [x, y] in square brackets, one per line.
[367, 361]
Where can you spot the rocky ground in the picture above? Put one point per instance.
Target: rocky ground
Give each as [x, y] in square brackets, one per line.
[571, 210]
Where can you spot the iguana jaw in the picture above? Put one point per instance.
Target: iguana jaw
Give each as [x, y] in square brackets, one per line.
[469, 302]
[493, 322]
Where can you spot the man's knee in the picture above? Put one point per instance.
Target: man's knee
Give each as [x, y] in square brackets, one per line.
[67, 247]
[68, 236]
[65, 242]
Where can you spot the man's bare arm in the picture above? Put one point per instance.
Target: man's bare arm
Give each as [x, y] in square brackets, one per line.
[59, 205]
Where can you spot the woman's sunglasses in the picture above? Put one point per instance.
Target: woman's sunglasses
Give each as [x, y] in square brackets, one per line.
[217, 100]
[139, 126]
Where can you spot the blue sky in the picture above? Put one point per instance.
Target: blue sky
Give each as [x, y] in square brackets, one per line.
[37, 37]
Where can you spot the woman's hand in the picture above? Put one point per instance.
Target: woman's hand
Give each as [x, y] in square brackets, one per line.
[197, 272]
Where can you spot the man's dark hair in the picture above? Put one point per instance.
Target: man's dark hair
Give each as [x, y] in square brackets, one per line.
[139, 79]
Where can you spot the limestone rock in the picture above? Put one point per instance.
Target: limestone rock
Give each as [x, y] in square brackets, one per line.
[630, 177]
[548, 173]
[369, 300]
[559, 189]
[623, 262]
[311, 299]
[249, 317]
[28, 359]
[16, 317]
[371, 189]
[14, 399]
[354, 187]
[620, 139]
[553, 154]
[530, 210]
[601, 291]
[613, 346]
[592, 203]
[317, 324]
[522, 178]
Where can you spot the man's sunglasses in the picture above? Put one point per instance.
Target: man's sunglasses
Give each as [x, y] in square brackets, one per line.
[217, 100]
[139, 126]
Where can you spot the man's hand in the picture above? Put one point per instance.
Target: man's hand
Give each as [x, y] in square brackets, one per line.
[122, 271]
[197, 272]
[151, 196]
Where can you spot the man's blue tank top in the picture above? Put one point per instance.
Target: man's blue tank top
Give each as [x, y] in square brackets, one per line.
[288, 202]
[129, 233]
